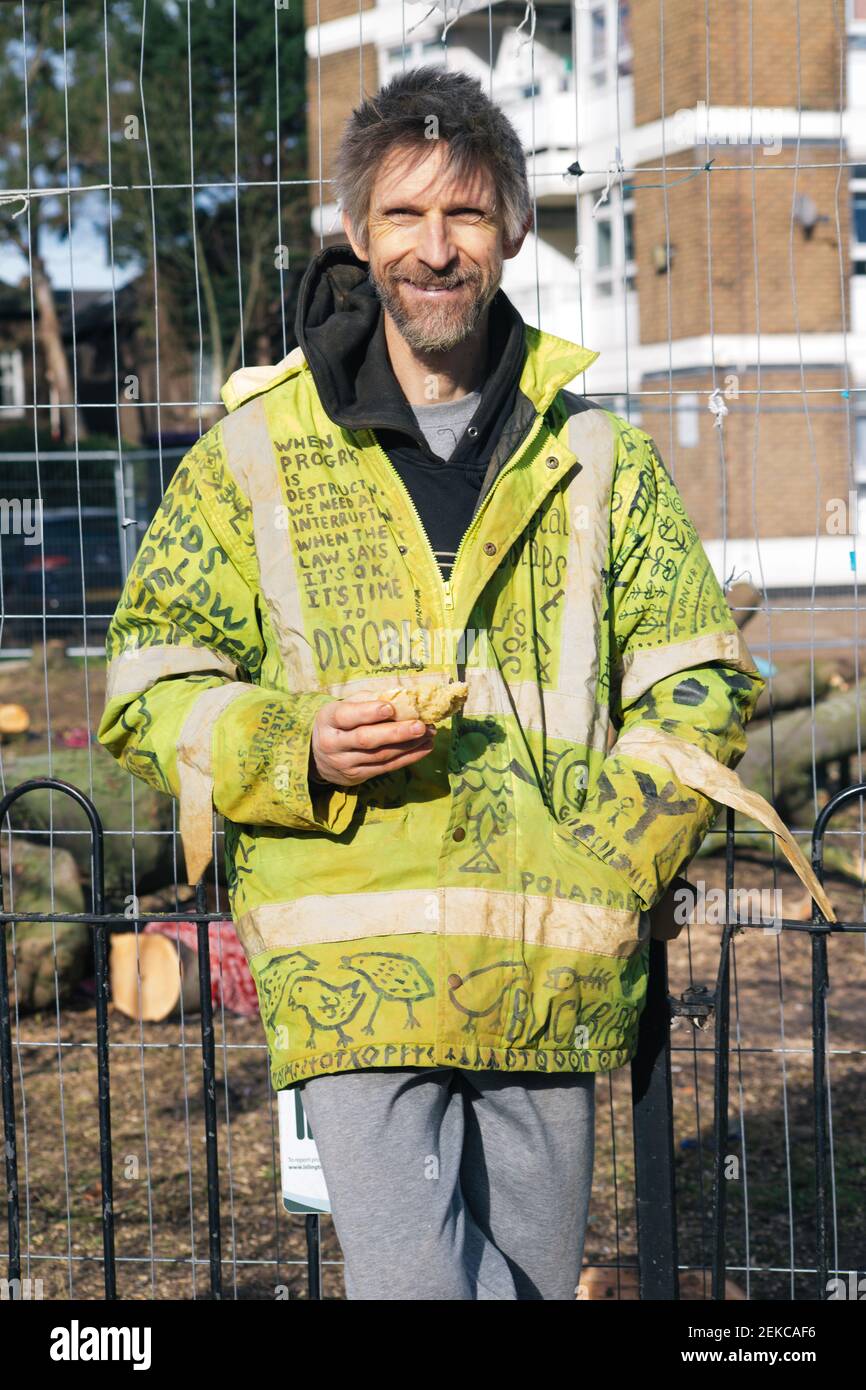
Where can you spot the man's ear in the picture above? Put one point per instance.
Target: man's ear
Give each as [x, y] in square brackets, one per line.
[350, 237]
[511, 248]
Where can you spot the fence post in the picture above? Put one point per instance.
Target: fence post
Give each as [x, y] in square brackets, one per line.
[721, 1070]
[11, 1144]
[208, 1062]
[652, 1108]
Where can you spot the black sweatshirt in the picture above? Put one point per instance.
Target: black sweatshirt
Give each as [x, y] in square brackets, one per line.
[340, 327]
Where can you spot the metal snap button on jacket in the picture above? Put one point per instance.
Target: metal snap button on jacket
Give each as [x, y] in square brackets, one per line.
[458, 833]
[489, 548]
[552, 462]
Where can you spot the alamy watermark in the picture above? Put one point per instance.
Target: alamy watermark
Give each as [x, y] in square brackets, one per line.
[77, 1343]
[703, 906]
[723, 125]
[21, 516]
[21, 1290]
[846, 516]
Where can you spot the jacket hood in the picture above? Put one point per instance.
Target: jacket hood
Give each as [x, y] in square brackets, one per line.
[340, 329]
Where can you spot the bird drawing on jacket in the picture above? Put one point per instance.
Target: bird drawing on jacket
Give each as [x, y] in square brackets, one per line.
[391, 976]
[562, 977]
[274, 978]
[481, 993]
[326, 1006]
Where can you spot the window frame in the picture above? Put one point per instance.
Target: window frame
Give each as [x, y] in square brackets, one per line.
[857, 188]
[620, 272]
[12, 373]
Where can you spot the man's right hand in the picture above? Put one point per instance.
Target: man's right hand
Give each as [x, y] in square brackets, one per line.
[354, 740]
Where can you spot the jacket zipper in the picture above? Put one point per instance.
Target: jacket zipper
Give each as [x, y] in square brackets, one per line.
[448, 596]
[449, 602]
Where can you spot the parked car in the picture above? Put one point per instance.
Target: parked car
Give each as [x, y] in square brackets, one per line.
[75, 567]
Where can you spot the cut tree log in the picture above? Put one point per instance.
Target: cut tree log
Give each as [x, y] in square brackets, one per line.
[169, 977]
[787, 779]
[790, 776]
[14, 719]
[792, 687]
[168, 974]
[42, 949]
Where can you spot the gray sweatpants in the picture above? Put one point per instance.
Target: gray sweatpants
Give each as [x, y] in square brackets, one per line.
[452, 1184]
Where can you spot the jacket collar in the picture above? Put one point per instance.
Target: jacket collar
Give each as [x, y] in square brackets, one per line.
[340, 329]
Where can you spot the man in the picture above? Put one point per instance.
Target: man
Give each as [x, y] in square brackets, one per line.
[448, 924]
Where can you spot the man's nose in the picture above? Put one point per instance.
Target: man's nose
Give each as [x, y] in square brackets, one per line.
[435, 246]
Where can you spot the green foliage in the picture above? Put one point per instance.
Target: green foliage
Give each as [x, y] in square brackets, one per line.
[202, 101]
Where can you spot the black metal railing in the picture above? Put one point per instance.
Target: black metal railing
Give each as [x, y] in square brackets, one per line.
[652, 1092]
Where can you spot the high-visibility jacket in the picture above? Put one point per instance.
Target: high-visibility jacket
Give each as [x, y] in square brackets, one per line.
[488, 906]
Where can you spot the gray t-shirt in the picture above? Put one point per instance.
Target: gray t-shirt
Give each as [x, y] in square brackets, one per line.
[443, 423]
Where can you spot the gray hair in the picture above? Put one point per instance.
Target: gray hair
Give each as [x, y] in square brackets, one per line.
[476, 132]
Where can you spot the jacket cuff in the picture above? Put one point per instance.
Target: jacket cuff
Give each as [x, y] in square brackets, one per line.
[262, 748]
[245, 752]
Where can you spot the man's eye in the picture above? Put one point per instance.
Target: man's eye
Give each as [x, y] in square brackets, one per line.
[460, 215]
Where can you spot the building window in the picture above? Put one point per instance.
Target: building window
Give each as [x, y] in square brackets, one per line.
[614, 246]
[628, 235]
[625, 63]
[860, 472]
[858, 218]
[603, 244]
[688, 423]
[11, 383]
[608, 41]
[598, 45]
[598, 33]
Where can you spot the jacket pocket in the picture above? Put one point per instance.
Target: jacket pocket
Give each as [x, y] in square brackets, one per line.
[604, 884]
[383, 815]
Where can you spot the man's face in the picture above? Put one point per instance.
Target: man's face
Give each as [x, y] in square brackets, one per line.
[435, 247]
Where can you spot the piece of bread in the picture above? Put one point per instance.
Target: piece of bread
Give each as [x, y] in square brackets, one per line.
[431, 703]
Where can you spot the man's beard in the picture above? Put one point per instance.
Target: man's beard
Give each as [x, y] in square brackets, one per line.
[431, 327]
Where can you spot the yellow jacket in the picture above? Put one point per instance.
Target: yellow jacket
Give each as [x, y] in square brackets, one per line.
[487, 906]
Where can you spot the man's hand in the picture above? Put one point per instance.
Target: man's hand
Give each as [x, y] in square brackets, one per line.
[354, 740]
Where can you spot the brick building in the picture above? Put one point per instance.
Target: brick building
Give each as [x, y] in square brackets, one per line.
[747, 281]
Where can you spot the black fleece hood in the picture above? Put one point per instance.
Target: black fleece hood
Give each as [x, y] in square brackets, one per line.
[340, 327]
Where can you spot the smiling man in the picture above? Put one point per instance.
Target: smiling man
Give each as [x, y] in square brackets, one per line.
[448, 924]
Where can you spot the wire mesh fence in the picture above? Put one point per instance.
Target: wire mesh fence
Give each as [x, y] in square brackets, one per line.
[699, 190]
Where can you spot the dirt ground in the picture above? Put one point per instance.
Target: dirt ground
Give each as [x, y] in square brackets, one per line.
[59, 693]
[160, 1195]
